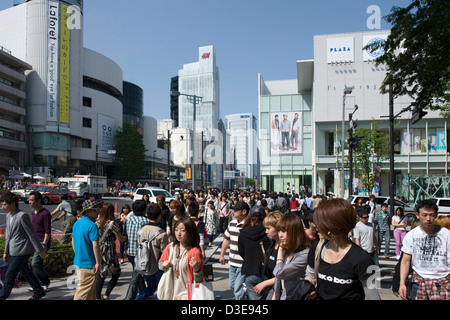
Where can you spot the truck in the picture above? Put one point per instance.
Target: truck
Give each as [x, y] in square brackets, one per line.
[86, 186]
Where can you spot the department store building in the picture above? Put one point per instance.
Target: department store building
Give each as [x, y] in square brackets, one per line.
[73, 106]
[421, 159]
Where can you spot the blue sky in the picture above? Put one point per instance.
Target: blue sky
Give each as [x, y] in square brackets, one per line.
[152, 39]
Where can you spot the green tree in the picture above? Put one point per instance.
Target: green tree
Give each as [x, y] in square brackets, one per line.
[250, 182]
[130, 150]
[416, 54]
[370, 153]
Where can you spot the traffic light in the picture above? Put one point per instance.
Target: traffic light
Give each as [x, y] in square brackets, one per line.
[417, 114]
[353, 142]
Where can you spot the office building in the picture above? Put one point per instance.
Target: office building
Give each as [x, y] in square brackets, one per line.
[243, 141]
[13, 126]
[201, 79]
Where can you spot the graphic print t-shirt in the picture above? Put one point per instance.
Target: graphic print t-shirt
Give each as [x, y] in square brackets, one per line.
[342, 280]
[430, 252]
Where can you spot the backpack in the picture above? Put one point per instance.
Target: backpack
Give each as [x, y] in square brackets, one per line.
[304, 208]
[145, 261]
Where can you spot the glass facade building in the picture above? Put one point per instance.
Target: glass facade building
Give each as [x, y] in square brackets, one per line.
[242, 131]
[133, 105]
[287, 164]
[201, 79]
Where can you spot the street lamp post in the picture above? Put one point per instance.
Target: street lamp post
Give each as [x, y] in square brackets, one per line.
[352, 124]
[194, 99]
[347, 90]
[392, 118]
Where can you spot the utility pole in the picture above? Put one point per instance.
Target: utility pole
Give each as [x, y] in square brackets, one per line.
[201, 166]
[351, 145]
[392, 118]
[168, 161]
[194, 99]
[347, 90]
[391, 153]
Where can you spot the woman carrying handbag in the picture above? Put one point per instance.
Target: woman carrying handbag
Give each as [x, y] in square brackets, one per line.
[181, 261]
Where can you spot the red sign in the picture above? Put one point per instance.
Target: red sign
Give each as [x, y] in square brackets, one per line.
[206, 55]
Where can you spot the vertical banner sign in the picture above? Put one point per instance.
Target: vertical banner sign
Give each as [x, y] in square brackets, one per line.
[64, 64]
[106, 131]
[52, 60]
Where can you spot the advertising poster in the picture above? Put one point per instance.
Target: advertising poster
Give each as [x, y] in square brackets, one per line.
[286, 133]
[64, 66]
[52, 60]
[106, 131]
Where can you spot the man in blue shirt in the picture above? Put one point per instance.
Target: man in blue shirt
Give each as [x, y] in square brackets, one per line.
[85, 237]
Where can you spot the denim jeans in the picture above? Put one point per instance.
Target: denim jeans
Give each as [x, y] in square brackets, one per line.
[387, 238]
[37, 264]
[136, 283]
[236, 282]
[18, 264]
[374, 257]
[250, 282]
[285, 139]
[152, 285]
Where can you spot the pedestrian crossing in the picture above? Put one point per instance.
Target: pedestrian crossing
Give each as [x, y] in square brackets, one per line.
[221, 272]
[387, 265]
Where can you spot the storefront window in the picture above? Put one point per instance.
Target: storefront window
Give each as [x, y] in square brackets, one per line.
[416, 141]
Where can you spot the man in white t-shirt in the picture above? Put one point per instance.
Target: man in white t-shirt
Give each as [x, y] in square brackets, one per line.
[427, 250]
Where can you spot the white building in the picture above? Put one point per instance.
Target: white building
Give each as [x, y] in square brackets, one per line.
[73, 106]
[421, 157]
[243, 143]
[421, 154]
[201, 79]
[13, 130]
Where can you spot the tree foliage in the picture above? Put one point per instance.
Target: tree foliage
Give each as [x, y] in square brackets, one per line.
[416, 54]
[370, 153]
[130, 149]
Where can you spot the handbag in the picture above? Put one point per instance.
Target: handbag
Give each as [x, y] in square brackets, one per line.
[165, 285]
[200, 291]
[208, 272]
[301, 290]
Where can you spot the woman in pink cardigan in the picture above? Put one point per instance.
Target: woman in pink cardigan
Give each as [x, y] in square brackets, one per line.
[187, 259]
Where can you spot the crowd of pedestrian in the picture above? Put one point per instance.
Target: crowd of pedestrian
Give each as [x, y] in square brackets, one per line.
[280, 246]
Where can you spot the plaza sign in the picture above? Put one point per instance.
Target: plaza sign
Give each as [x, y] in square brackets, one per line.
[340, 50]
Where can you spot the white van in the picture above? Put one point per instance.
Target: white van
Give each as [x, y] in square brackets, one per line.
[152, 193]
[443, 205]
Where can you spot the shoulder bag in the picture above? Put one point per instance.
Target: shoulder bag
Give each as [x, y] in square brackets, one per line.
[166, 284]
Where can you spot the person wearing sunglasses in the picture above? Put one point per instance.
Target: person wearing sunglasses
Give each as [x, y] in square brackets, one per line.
[364, 234]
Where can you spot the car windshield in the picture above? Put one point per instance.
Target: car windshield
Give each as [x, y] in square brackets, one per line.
[74, 184]
[43, 189]
[163, 192]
